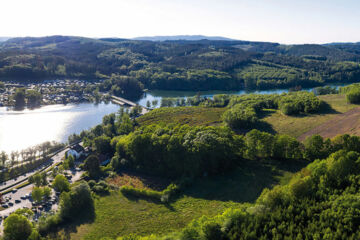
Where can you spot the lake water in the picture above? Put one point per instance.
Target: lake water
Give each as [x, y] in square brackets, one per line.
[22, 129]
[159, 94]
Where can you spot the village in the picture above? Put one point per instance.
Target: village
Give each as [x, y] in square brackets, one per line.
[53, 92]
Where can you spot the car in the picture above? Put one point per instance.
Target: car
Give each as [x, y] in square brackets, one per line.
[14, 191]
[23, 197]
[11, 204]
[17, 201]
[5, 206]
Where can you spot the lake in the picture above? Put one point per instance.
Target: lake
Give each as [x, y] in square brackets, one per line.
[159, 94]
[22, 129]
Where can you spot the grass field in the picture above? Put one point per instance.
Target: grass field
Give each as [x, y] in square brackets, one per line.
[183, 115]
[117, 215]
[298, 125]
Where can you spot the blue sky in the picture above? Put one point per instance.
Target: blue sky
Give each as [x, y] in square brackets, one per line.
[284, 21]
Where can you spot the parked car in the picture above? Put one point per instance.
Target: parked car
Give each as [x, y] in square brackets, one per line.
[17, 201]
[5, 206]
[11, 204]
[14, 191]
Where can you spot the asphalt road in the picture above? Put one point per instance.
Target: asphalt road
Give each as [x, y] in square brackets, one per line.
[75, 176]
[54, 160]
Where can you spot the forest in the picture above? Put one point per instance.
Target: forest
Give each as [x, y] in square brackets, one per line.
[179, 64]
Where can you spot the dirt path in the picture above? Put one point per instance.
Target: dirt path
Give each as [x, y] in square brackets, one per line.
[348, 122]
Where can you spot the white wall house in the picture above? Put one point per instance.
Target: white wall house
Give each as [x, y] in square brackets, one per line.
[76, 151]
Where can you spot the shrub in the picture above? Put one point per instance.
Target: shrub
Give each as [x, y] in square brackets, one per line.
[142, 193]
[353, 96]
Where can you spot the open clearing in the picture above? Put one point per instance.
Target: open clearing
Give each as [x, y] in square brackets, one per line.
[203, 116]
[348, 122]
[297, 126]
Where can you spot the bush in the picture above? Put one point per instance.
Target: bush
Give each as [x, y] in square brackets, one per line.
[240, 117]
[101, 187]
[142, 193]
[353, 96]
[163, 196]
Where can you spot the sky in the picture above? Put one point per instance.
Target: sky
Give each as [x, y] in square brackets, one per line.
[284, 21]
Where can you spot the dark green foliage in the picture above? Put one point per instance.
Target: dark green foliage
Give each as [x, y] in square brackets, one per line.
[122, 86]
[299, 102]
[101, 144]
[180, 150]
[34, 98]
[100, 187]
[17, 227]
[92, 166]
[316, 147]
[353, 96]
[321, 201]
[75, 202]
[163, 196]
[265, 145]
[352, 93]
[141, 193]
[240, 117]
[69, 162]
[61, 183]
[243, 110]
[325, 90]
[177, 65]
[19, 98]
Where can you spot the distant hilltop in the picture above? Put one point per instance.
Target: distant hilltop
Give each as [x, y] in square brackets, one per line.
[183, 37]
[3, 39]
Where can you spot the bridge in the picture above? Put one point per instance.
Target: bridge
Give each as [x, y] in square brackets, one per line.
[127, 103]
[122, 101]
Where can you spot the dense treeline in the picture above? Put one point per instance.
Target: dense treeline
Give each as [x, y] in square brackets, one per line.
[177, 151]
[180, 150]
[177, 65]
[243, 110]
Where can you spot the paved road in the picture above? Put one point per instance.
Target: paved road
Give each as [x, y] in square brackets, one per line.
[75, 176]
[54, 160]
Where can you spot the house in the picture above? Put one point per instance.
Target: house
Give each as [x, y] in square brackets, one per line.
[76, 151]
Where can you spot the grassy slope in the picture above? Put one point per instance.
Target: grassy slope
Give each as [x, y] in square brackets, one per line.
[297, 125]
[183, 115]
[116, 215]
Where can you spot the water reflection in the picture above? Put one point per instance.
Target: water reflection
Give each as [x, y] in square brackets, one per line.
[22, 129]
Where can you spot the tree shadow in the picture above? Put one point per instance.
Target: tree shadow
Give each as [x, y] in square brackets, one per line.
[260, 125]
[70, 226]
[327, 109]
[243, 184]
